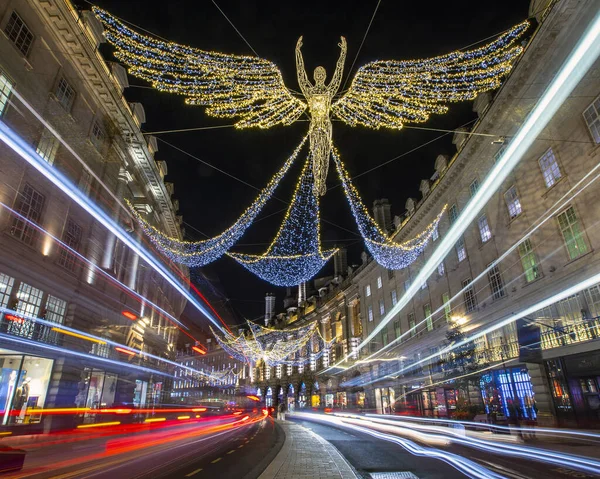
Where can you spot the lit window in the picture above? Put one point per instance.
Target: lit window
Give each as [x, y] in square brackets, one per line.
[6, 286]
[529, 261]
[461, 251]
[370, 313]
[381, 308]
[550, 168]
[6, 87]
[72, 238]
[572, 233]
[496, 284]
[592, 119]
[394, 297]
[368, 290]
[469, 296]
[441, 269]
[29, 204]
[411, 324]
[473, 187]
[379, 282]
[447, 306]
[397, 328]
[18, 33]
[28, 304]
[436, 233]
[512, 202]
[48, 146]
[428, 318]
[453, 214]
[484, 229]
[65, 94]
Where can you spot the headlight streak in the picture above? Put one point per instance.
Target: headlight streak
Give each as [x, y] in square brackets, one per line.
[90, 337]
[577, 64]
[558, 205]
[23, 149]
[495, 447]
[466, 466]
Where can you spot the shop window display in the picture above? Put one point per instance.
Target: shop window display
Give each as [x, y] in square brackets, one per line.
[23, 387]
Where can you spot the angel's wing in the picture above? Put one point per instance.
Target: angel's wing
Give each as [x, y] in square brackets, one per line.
[230, 86]
[391, 93]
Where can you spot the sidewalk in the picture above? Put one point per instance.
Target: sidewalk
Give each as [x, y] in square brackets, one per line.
[305, 455]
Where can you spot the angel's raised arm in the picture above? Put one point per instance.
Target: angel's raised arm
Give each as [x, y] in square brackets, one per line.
[336, 80]
[302, 78]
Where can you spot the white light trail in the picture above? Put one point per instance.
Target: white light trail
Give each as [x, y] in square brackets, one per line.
[572, 71]
[23, 149]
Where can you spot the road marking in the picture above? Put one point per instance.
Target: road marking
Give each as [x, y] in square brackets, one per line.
[231, 452]
[193, 473]
[216, 460]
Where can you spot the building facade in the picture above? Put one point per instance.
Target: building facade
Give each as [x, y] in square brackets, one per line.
[536, 237]
[57, 263]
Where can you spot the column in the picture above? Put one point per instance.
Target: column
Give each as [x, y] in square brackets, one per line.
[543, 398]
[109, 249]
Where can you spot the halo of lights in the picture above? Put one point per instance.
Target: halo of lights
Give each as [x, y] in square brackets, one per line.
[383, 248]
[274, 347]
[295, 254]
[200, 253]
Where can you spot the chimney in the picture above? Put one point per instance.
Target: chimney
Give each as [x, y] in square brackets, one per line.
[269, 307]
[340, 263]
[382, 213]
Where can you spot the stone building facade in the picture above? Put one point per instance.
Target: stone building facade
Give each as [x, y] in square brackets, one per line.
[54, 83]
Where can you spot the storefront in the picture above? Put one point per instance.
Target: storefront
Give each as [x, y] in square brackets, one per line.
[24, 384]
[509, 392]
[384, 400]
[302, 396]
[315, 398]
[291, 400]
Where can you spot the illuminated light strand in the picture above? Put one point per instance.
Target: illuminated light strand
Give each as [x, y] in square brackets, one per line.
[578, 62]
[201, 253]
[25, 151]
[98, 424]
[275, 347]
[295, 254]
[383, 248]
[250, 88]
[79, 336]
[382, 94]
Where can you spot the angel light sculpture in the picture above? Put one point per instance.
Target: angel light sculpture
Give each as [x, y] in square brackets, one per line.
[385, 94]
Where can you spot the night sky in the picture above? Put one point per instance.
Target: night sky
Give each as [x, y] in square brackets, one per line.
[210, 201]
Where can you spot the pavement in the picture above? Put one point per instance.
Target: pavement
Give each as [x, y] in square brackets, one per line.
[305, 455]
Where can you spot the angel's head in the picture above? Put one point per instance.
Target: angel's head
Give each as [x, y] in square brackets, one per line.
[320, 75]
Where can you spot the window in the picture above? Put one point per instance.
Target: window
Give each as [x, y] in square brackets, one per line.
[6, 286]
[65, 94]
[453, 213]
[29, 205]
[549, 168]
[97, 134]
[572, 233]
[18, 33]
[512, 202]
[447, 306]
[424, 285]
[384, 336]
[391, 274]
[499, 152]
[592, 118]
[6, 87]
[397, 328]
[29, 301]
[428, 318]
[85, 182]
[381, 308]
[411, 324]
[72, 238]
[436, 233]
[495, 282]
[484, 229]
[529, 261]
[370, 313]
[406, 285]
[379, 282]
[469, 296]
[394, 297]
[473, 187]
[48, 146]
[56, 310]
[441, 269]
[461, 251]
